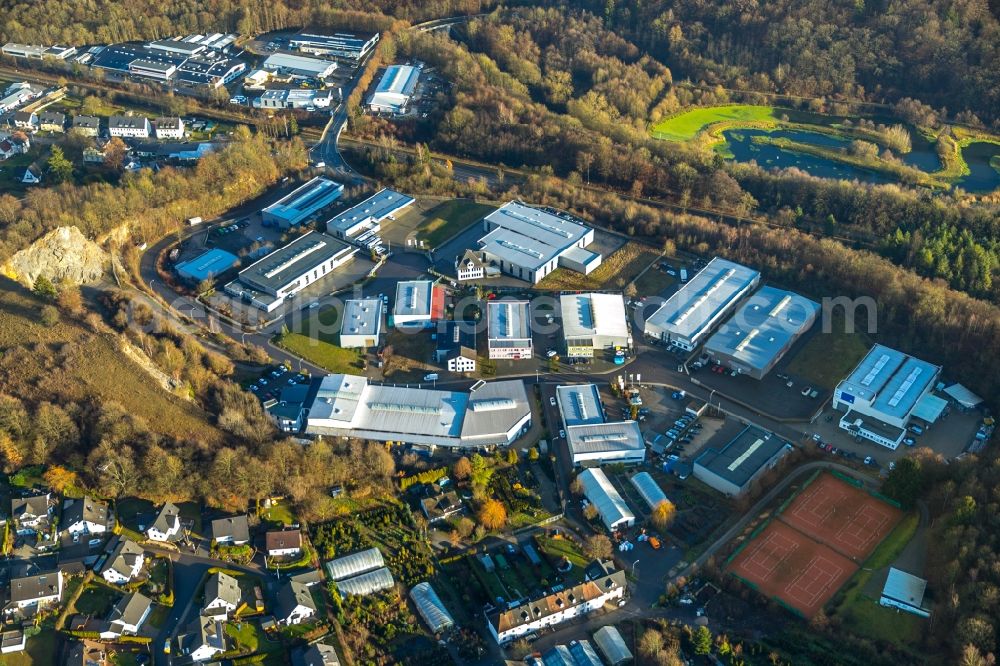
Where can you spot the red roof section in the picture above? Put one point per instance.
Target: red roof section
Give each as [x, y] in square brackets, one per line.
[437, 303]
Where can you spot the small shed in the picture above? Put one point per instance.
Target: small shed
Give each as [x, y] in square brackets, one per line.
[905, 592]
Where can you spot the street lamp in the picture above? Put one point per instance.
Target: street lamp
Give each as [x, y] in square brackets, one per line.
[633, 568]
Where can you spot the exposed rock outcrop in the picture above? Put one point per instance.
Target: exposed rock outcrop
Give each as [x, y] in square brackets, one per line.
[63, 254]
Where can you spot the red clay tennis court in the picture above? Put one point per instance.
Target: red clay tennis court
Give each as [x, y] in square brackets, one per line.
[782, 562]
[844, 517]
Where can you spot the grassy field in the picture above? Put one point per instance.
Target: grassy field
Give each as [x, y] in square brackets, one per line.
[324, 324]
[97, 600]
[614, 272]
[685, 125]
[450, 217]
[559, 548]
[249, 638]
[862, 614]
[279, 512]
[829, 357]
[328, 356]
[69, 363]
[653, 282]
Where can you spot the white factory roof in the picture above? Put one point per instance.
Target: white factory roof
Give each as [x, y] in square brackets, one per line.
[366, 583]
[963, 396]
[276, 270]
[398, 80]
[377, 207]
[306, 199]
[413, 298]
[430, 607]
[603, 495]
[605, 438]
[762, 328]
[904, 587]
[649, 489]
[362, 317]
[286, 61]
[580, 404]
[891, 380]
[509, 320]
[593, 315]
[693, 307]
[529, 237]
[354, 564]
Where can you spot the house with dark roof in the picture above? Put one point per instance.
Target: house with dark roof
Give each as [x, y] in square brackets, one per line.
[86, 653]
[30, 514]
[283, 543]
[124, 563]
[86, 516]
[222, 596]
[127, 616]
[441, 506]
[31, 593]
[86, 125]
[31, 176]
[52, 121]
[167, 526]
[295, 604]
[7, 150]
[318, 654]
[203, 639]
[26, 120]
[231, 531]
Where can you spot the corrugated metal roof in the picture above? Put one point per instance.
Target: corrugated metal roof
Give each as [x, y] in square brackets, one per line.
[603, 495]
[904, 587]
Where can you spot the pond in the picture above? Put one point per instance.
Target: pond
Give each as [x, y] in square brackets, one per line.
[982, 176]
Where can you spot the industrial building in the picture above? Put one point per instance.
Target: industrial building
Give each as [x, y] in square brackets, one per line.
[298, 67]
[732, 469]
[529, 243]
[210, 72]
[395, 89]
[430, 608]
[883, 393]
[294, 98]
[207, 265]
[649, 490]
[508, 623]
[612, 646]
[418, 303]
[33, 52]
[509, 330]
[369, 214]
[302, 203]
[613, 510]
[762, 331]
[905, 592]
[591, 438]
[593, 323]
[269, 281]
[340, 44]
[361, 326]
[491, 414]
[690, 314]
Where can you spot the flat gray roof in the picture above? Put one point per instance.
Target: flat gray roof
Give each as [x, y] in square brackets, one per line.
[762, 328]
[285, 265]
[362, 317]
[593, 315]
[580, 404]
[378, 207]
[891, 380]
[398, 79]
[605, 437]
[311, 66]
[690, 311]
[306, 199]
[529, 237]
[743, 457]
[509, 320]
[413, 298]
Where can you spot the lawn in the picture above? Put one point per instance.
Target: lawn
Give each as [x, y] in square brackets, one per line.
[323, 325]
[40, 651]
[862, 614]
[96, 600]
[653, 282]
[328, 356]
[685, 125]
[826, 358]
[250, 638]
[448, 218]
[279, 512]
[562, 547]
[615, 271]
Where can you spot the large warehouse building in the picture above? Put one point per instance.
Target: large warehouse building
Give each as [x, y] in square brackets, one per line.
[418, 303]
[591, 438]
[494, 414]
[395, 89]
[882, 393]
[302, 203]
[613, 510]
[509, 330]
[207, 265]
[732, 469]
[529, 243]
[763, 329]
[361, 326]
[593, 323]
[269, 281]
[340, 44]
[368, 215]
[298, 67]
[688, 316]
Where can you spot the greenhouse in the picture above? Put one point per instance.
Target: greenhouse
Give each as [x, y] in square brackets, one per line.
[354, 564]
[366, 583]
[651, 492]
[611, 644]
[430, 608]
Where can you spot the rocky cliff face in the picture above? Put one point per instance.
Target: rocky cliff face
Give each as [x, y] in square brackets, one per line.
[63, 254]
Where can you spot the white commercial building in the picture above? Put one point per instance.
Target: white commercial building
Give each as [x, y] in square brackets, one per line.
[762, 331]
[491, 414]
[33, 52]
[591, 438]
[509, 334]
[691, 313]
[294, 99]
[304, 201]
[368, 215]
[613, 510]
[298, 67]
[881, 394]
[529, 243]
[340, 44]
[593, 322]
[418, 303]
[274, 278]
[361, 326]
[395, 89]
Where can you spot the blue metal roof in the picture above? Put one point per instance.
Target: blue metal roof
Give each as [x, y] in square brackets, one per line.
[206, 265]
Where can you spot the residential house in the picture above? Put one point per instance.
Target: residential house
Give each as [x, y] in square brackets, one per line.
[167, 526]
[86, 125]
[86, 653]
[169, 128]
[441, 506]
[295, 604]
[204, 639]
[94, 154]
[52, 121]
[456, 345]
[222, 596]
[317, 654]
[31, 593]
[7, 150]
[283, 544]
[128, 616]
[463, 359]
[85, 516]
[124, 563]
[30, 514]
[470, 267]
[31, 176]
[20, 141]
[232, 531]
[26, 120]
[131, 127]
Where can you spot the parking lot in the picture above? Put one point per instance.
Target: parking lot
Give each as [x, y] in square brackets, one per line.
[269, 384]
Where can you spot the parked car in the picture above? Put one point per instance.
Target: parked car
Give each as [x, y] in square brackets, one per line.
[909, 441]
[562, 434]
[915, 429]
[806, 390]
[552, 401]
